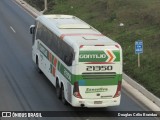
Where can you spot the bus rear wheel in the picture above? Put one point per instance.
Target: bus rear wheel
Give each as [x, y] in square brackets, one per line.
[63, 96]
[37, 63]
[58, 90]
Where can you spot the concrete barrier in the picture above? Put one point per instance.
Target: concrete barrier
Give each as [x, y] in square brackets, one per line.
[28, 8]
[155, 100]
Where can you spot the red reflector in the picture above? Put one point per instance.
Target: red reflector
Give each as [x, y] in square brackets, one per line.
[77, 94]
[118, 92]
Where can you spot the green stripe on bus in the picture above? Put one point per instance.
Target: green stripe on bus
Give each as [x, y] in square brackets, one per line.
[51, 68]
[97, 82]
[65, 72]
[110, 80]
[117, 54]
[43, 50]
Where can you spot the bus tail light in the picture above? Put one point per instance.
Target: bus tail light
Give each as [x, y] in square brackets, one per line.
[76, 92]
[118, 92]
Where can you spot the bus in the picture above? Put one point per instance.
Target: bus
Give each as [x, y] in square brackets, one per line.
[84, 65]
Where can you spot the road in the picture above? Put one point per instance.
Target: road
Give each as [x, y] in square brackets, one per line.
[22, 88]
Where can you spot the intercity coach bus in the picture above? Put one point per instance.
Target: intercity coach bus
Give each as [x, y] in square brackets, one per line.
[84, 65]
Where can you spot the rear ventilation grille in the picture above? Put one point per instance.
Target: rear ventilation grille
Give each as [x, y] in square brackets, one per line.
[99, 75]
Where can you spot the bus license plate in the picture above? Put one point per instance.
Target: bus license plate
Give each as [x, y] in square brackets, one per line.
[97, 102]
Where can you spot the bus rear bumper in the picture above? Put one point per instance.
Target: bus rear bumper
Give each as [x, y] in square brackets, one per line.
[93, 103]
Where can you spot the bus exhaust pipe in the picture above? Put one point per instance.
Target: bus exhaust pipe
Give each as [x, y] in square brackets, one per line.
[82, 105]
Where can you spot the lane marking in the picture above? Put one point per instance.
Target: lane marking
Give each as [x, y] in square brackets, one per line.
[12, 29]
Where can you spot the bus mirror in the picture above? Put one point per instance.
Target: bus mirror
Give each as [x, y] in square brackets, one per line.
[32, 29]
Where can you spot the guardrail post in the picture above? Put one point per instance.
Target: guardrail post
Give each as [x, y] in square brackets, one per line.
[45, 6]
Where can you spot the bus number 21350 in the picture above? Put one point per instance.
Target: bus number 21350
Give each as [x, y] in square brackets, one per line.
[99, 68]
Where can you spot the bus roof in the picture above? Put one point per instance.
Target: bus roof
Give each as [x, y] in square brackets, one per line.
[74, 31]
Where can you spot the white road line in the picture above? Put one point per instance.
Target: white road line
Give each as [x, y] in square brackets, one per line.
[12, 29]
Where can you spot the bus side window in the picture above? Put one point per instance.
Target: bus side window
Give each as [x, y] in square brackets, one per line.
[49, 38]
[67, 54]
[55, 45]
[66, 60]
[39, 31]
[69, 59]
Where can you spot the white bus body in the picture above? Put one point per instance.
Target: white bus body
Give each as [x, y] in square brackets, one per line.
[84, 65]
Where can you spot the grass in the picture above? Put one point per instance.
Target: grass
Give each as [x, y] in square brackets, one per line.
[141, 19]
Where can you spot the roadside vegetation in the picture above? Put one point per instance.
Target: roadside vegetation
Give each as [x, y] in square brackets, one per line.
[141, 19]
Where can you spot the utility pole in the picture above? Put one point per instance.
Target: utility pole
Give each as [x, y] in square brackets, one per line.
[45, 6]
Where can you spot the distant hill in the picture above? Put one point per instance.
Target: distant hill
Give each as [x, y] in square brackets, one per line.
[141, 19]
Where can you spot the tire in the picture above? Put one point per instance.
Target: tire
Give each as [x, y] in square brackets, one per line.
[63, 96]
[37, 67]
[58, 90]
